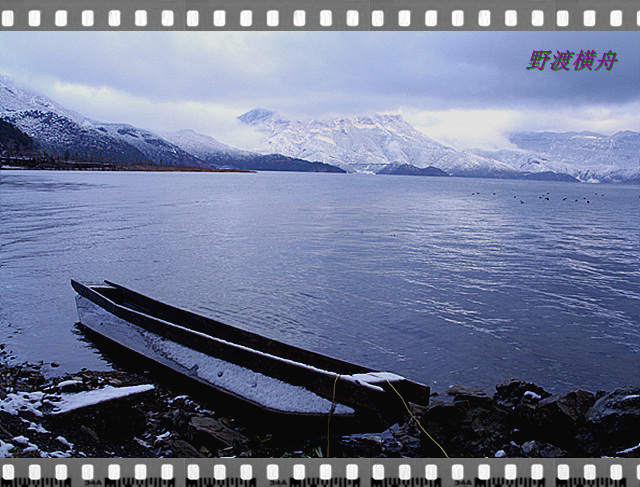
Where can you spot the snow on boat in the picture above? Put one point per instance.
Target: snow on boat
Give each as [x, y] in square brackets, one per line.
[247, 369]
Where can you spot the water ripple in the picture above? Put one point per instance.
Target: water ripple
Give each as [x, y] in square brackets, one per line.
[437, 279]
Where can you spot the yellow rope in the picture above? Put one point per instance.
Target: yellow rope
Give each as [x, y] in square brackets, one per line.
[333, 403]
[416, 420]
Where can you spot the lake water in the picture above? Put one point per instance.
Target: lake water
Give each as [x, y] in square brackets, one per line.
[443, 280]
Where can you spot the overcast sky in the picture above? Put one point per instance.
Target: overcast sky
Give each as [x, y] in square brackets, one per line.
[465, 89]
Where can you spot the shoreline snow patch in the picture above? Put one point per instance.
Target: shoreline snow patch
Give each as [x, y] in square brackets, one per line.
[72, 401]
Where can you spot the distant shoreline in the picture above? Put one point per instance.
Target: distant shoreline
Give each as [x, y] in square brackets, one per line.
[114, 168]
[126, 169]
[110, 167]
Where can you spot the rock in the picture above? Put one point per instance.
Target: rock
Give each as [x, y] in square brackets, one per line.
[393, 442]
[524, 417]
[536, 449]
[30, 376]
[410, 445]
[559, 418]
[531, 397]
[574, 404]
[90, 434]
[213, 434]
[182, 449]
[357, 446]
[408, 435]
[71, 386]
[417, 410]
[512, 392]
[114, 420]
[465, 429]
[631, 452]
[589, 444]
[176, 419]
[518, 436]
[615, 417]
[396, 441]
[471, 394]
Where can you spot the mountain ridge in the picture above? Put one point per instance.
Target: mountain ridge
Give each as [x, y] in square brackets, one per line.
[379, 143]
[366, 143]
[215, 153]
[58, 131]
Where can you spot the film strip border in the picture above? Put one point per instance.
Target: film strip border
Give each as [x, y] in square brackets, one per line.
[320, 473]
[306, 15]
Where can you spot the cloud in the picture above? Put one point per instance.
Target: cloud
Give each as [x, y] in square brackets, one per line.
[108, 104]
[489, 129]
[466, 129]
[459, 86]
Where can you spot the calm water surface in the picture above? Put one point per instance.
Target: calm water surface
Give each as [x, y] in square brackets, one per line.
[443, 280]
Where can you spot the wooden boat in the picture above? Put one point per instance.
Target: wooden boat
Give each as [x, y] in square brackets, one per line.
[244, 369]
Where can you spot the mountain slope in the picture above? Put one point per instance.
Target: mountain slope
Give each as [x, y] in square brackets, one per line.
[586, 156]
[378, 143]
[364, 144]
[200, 145]
[14, 141]
[56, 130]
[215, 153]
[382, 143]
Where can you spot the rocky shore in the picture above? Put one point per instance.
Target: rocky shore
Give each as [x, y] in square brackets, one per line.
[118, 414]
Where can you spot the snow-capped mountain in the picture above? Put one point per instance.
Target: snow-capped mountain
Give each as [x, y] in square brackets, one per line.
[57, 130]
[367, 143]
[200, 145]
[587, 156]
[215, 153]
[379, 143]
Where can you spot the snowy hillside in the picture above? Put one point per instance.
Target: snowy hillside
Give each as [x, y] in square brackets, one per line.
[215, 153]
[367, 143]
[586, 156]
[376, 143]
[200, 145]
[56, 130]
[379, 143]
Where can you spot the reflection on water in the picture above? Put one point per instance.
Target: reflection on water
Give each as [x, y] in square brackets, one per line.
[443, 280]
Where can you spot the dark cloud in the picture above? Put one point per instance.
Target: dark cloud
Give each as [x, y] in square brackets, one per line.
[435, 70]
[311, 73]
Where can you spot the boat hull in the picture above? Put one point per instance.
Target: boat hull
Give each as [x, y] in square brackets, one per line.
[241, 383]
[245, 368]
